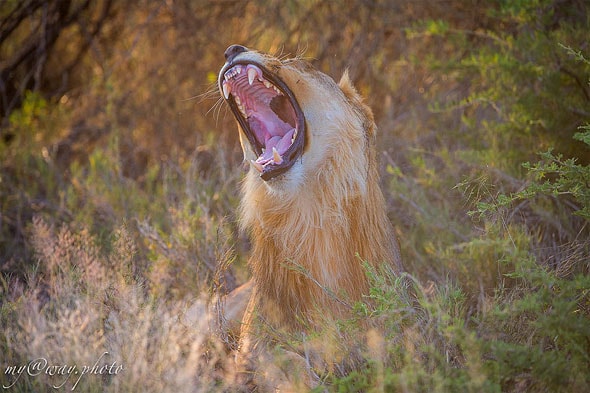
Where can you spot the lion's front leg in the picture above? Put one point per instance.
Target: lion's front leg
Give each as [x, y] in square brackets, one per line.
[261, 367]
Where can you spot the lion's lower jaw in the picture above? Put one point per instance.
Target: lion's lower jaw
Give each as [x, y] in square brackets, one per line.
[281, 187]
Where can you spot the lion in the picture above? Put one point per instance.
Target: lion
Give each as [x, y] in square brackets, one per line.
[311, 201]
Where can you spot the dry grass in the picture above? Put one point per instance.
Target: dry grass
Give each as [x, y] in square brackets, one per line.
[79, 305]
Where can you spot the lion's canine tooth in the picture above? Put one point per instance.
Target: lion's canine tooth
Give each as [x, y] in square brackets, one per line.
[276, 157]
[251, 75]
[226, 89]
[257, 165]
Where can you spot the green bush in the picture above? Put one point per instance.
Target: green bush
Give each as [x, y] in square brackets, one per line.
[505, 304]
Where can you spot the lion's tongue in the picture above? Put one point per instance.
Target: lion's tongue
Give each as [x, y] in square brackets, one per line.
[275, 147]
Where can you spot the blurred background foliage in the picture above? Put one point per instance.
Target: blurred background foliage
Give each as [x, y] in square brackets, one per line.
[109, 119]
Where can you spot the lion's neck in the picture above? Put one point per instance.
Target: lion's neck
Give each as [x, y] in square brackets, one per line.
[308, 250]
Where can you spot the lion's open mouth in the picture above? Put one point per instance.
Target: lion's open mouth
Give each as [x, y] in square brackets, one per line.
[268, 113]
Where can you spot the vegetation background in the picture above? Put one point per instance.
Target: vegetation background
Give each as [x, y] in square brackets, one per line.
[120, 169]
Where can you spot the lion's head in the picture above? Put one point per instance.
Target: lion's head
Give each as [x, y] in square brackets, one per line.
[295, 121]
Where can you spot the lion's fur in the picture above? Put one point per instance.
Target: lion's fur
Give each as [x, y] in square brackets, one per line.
[312, 228]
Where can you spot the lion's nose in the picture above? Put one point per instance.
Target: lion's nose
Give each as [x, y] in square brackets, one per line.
[233, 50]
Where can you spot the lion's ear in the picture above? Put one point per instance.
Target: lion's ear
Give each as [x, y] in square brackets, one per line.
[350, 92]
[347, 87]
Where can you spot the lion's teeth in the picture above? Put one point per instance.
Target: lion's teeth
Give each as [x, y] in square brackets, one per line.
[226, 90]
[239, 105]
[276, 156]
[269, 85]
[251, 75]
[256, 165]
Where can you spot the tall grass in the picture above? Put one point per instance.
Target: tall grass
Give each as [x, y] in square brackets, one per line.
[83, 306]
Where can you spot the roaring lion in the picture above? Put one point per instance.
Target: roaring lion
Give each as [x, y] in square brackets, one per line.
[311, 201]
